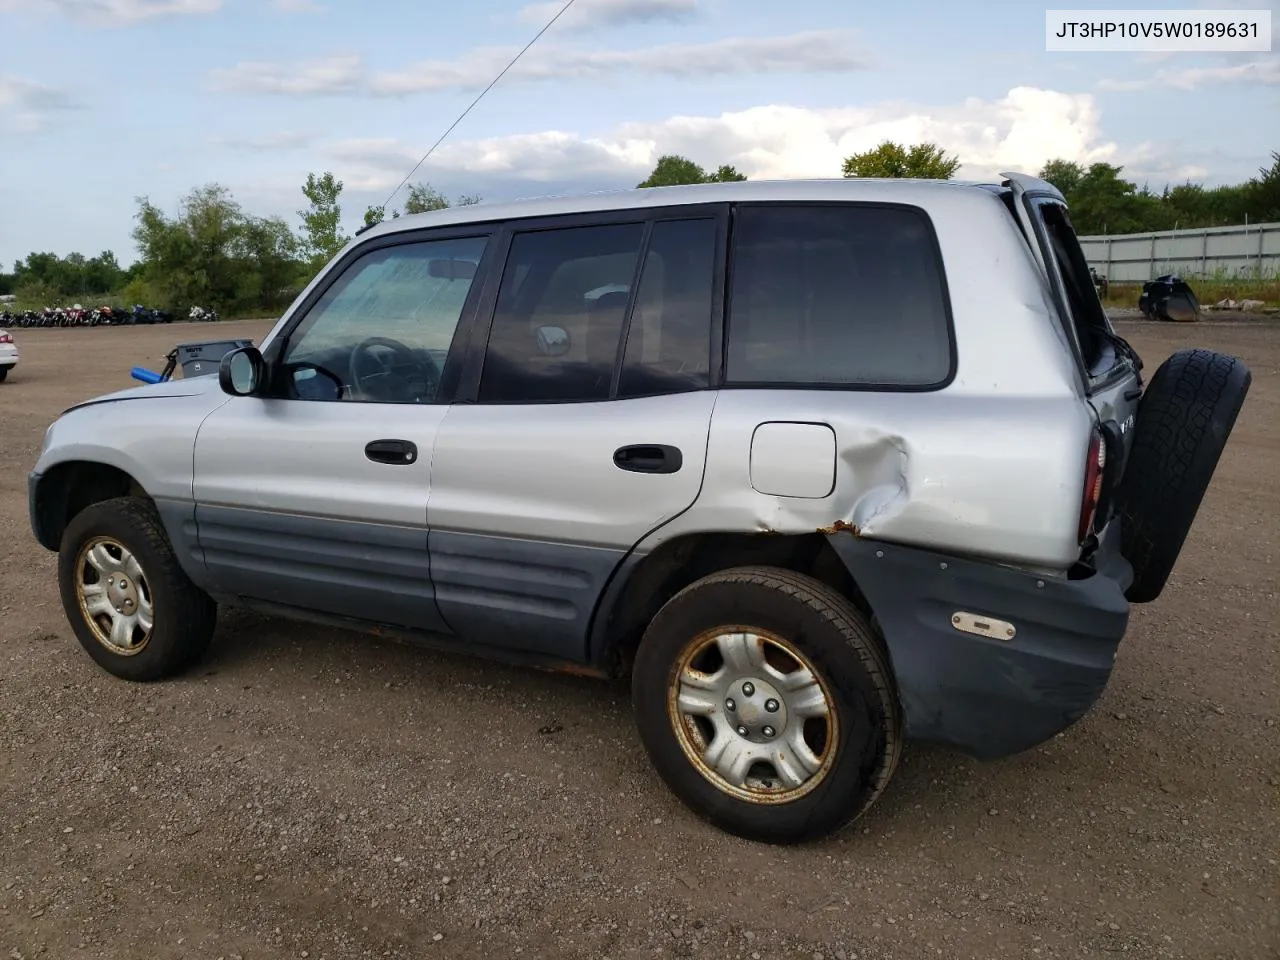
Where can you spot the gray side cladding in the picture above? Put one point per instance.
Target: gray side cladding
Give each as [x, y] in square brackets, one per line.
[525, 595]
[374, 572]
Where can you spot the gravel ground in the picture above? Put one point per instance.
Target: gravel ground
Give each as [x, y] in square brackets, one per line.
[311, 793]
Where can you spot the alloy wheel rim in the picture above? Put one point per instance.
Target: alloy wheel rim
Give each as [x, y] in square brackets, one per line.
[752, 714]
[114, 596]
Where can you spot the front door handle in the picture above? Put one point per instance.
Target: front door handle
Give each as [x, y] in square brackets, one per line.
[400, 452]
[648, 458]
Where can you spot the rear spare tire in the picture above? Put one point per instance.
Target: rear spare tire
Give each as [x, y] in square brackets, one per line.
[1183, 422]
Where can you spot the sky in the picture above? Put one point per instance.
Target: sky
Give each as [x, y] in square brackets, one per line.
[106, 101]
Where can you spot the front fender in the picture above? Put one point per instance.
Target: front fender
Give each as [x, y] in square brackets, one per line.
[134, 444]
[152, 442]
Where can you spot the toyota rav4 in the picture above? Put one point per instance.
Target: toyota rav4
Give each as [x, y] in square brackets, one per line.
[821, 466]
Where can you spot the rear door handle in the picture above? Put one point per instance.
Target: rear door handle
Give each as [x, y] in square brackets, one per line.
[400, 452]
[648, 458]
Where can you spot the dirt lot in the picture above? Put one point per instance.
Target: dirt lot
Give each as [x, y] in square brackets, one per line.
[310, 793]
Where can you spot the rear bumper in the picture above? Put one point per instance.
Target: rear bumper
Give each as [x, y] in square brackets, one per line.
[992, 697]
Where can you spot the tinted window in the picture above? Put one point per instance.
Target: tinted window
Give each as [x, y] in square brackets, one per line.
[559, 316]
[669, 336]
[843, 294]
[381, 332]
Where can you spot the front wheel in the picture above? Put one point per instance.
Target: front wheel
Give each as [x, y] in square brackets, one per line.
[130, 604]
[765, 701]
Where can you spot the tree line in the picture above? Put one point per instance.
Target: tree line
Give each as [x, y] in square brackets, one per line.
[214, 253]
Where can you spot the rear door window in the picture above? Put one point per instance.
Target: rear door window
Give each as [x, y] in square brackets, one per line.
[610, 311]
[848, 295]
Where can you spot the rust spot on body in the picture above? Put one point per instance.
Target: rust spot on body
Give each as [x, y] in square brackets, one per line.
[574, 670]
[841, 526]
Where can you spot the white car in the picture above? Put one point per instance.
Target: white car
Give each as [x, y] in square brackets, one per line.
[8, 354]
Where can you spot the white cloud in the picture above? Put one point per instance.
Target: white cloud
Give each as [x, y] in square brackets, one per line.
[284, 140]
[589, 14]
[109, 13]
[1265, 72]
[1018, 131]
[829, 51]
[26, 104]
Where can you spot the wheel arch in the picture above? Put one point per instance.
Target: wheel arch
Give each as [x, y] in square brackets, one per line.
[65, 489]
[643, 583]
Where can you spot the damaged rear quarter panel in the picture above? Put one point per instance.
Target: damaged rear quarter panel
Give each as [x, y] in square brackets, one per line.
[962, 476]
[991, 465]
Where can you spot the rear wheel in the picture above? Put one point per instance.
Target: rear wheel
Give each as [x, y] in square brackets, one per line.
[766, 703]
[1184, 419]
[128, 601]
[4, 372]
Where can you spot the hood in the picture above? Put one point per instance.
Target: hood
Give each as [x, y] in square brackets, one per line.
[183, 387]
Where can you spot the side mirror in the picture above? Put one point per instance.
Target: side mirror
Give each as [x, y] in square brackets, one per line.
[553, 341]
[242, 372]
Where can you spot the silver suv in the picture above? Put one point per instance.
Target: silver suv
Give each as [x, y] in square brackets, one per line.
[821, 465]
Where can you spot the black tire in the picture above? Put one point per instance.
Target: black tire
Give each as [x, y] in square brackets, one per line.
[183, 616]
[1184, 419]
[842, 650]
[4, 373]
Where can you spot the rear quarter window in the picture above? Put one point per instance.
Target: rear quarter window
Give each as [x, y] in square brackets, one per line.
[841, 295]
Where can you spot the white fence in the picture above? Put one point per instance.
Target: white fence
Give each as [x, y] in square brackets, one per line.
[1252, 250]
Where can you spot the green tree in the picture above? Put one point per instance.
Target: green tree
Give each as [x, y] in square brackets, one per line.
[423, 198]
[1103, 201]
[1063, 174]
[268, 252]
[33, 292]
[1262, 193]
[925, 161]
[322, 220]
[102, 274]
[674, 170]
[726, 174]
[192, 258]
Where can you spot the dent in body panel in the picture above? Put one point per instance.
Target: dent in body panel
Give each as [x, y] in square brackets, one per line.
[991, 477]
[991, 465]
[528, 595]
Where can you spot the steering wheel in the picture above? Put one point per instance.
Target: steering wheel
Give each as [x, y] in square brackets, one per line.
[405, 377]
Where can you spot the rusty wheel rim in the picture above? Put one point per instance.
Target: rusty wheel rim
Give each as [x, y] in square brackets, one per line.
[114, 596]
[752, 714]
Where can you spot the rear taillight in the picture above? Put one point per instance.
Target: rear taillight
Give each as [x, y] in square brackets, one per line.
[1094, 471]
[6, 338]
